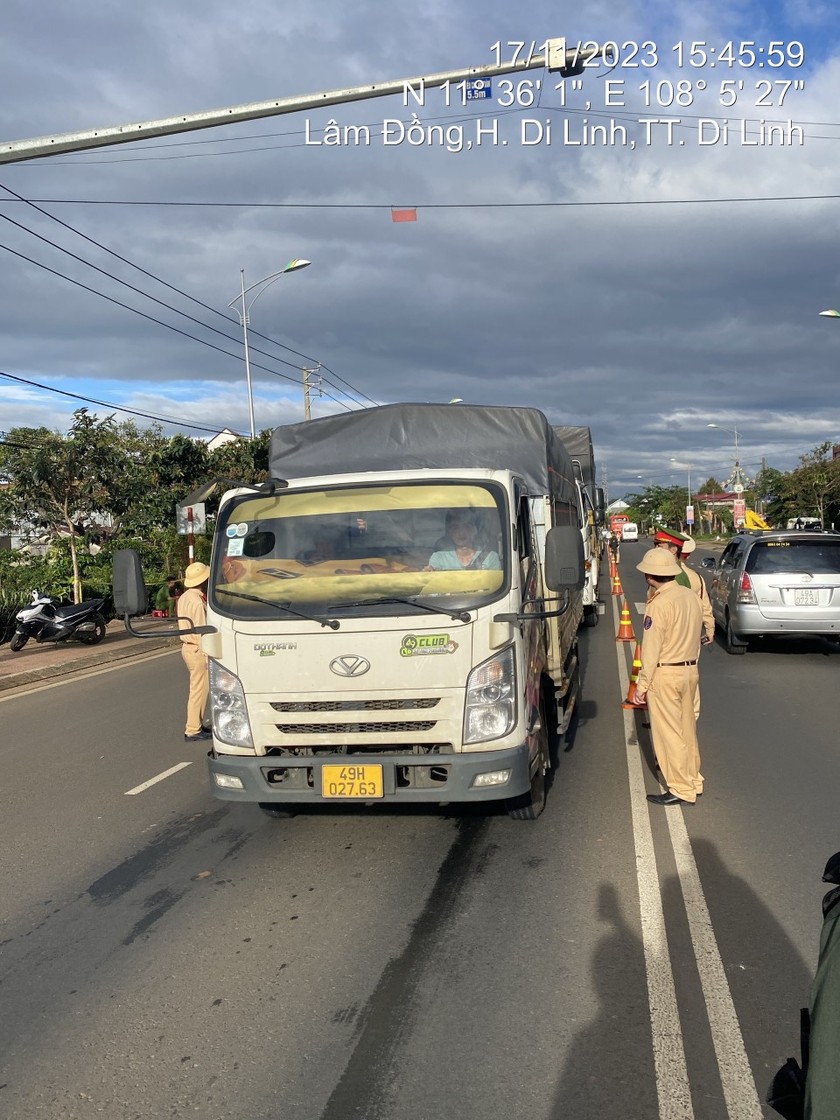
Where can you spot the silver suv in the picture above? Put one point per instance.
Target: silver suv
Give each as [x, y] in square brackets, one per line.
[768, 583]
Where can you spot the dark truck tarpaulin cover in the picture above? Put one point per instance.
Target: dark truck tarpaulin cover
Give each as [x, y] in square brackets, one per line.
[578, 443]
[411, 436]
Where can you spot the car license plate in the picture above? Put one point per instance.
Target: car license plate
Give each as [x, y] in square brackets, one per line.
[803, 597]
[352, 781]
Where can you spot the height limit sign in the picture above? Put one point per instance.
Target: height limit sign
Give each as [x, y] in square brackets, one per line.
[479, 89]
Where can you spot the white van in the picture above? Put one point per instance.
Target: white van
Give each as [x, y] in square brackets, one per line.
[629, 531]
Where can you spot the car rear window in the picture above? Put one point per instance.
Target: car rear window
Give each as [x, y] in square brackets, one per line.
[814, 556]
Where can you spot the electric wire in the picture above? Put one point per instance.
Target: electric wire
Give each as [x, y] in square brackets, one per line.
[186, 295]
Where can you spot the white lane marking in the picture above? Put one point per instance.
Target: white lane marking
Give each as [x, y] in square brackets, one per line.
[672, 1085]
[736, 1077]
[22, 689]
[157, 778]
[738, 1083]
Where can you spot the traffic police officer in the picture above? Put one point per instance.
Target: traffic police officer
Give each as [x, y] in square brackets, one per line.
[668, 677]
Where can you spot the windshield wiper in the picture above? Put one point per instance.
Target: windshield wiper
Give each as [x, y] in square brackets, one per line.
[333, 623]
[456, 616]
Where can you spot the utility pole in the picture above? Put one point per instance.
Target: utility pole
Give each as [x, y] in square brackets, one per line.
[555, 56]
[307, 372]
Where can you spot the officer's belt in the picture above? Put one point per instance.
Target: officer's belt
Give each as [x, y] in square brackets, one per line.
[672, 664]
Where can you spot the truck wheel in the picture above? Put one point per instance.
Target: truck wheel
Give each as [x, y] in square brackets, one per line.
[18, 642]
[529, 805]
[278, 812]
[731, 643]
[590, 616]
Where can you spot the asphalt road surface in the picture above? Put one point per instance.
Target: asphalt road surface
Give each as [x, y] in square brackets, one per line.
[163, 954]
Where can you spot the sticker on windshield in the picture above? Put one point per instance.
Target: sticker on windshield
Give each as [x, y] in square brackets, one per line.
[231, 531]
[235, 548]
[419, 645]
[241, 529]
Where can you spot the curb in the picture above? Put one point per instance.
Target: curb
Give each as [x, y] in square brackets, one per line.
[84, 661]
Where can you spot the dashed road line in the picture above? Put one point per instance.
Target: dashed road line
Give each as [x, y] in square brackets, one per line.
[157, 778]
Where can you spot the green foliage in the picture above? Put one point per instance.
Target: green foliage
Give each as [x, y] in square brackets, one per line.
[814, 486]
[242, 459]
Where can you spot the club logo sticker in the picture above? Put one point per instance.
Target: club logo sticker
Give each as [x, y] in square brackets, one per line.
[421, 645]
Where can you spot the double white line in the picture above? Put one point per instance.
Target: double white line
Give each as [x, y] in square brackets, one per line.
[672, 1083]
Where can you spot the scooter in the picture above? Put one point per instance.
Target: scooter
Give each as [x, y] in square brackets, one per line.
[45, 621]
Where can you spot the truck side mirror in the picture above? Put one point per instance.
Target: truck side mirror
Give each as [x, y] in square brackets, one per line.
[130, 594]
[564, 559]
[600, 505]
[708, 562]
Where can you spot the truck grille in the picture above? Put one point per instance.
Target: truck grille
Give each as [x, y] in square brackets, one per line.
[355, 728]
[314, 706]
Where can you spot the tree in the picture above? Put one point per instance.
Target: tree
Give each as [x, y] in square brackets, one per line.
[245, 459]
[770, 486]
[57, 484]
[658, 505]
[814, 484]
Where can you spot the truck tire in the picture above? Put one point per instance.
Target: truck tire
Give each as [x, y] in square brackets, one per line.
[590, 616]
[529, 805]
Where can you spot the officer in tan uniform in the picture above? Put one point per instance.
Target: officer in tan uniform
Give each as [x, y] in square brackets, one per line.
[668, 677]
[681, 547]
[192, 606]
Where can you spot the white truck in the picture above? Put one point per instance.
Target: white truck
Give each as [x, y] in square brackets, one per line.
[352, 656]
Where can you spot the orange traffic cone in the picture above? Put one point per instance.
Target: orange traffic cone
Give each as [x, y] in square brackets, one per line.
[630, 702]
[625, 627]
[616, 585]
[613, 568]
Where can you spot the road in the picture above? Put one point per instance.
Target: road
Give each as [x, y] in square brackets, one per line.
[168, 955]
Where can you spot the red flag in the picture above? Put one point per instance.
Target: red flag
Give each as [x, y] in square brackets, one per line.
[398, 215]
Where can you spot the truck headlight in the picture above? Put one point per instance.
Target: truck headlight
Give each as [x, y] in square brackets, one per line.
[230, 716]
[490, 711]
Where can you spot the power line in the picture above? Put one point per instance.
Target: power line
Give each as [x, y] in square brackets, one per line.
[388, 206]
[153, 319]
[373, 126]
[107, 404]
[161, 303]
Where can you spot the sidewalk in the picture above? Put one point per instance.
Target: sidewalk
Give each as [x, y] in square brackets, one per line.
[58, 659]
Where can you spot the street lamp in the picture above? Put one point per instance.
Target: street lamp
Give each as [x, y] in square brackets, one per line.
[243, 313]
[737, 473]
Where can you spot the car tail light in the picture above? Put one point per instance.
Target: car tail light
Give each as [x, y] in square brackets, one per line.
[745, 590]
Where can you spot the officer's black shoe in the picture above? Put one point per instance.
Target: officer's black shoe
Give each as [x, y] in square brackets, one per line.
[667, 799]
[202, 734]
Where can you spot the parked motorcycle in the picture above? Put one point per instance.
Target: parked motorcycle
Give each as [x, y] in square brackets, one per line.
[46, 621]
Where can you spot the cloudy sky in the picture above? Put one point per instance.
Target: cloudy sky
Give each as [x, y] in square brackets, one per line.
[649, 286]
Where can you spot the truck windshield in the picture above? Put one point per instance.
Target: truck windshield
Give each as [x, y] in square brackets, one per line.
[361, 550]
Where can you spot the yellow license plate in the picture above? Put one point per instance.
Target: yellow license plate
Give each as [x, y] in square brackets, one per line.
[352, 781]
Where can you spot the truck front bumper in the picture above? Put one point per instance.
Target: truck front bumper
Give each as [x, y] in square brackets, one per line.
[477, 776]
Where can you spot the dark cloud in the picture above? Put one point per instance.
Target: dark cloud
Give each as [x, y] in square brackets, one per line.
[646, 321]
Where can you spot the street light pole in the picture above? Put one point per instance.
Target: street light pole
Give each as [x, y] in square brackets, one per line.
[736, 474]
[688, 468]
[243, 313]
[244, 318]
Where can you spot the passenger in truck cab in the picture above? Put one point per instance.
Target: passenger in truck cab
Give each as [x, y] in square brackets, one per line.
[466, 550]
